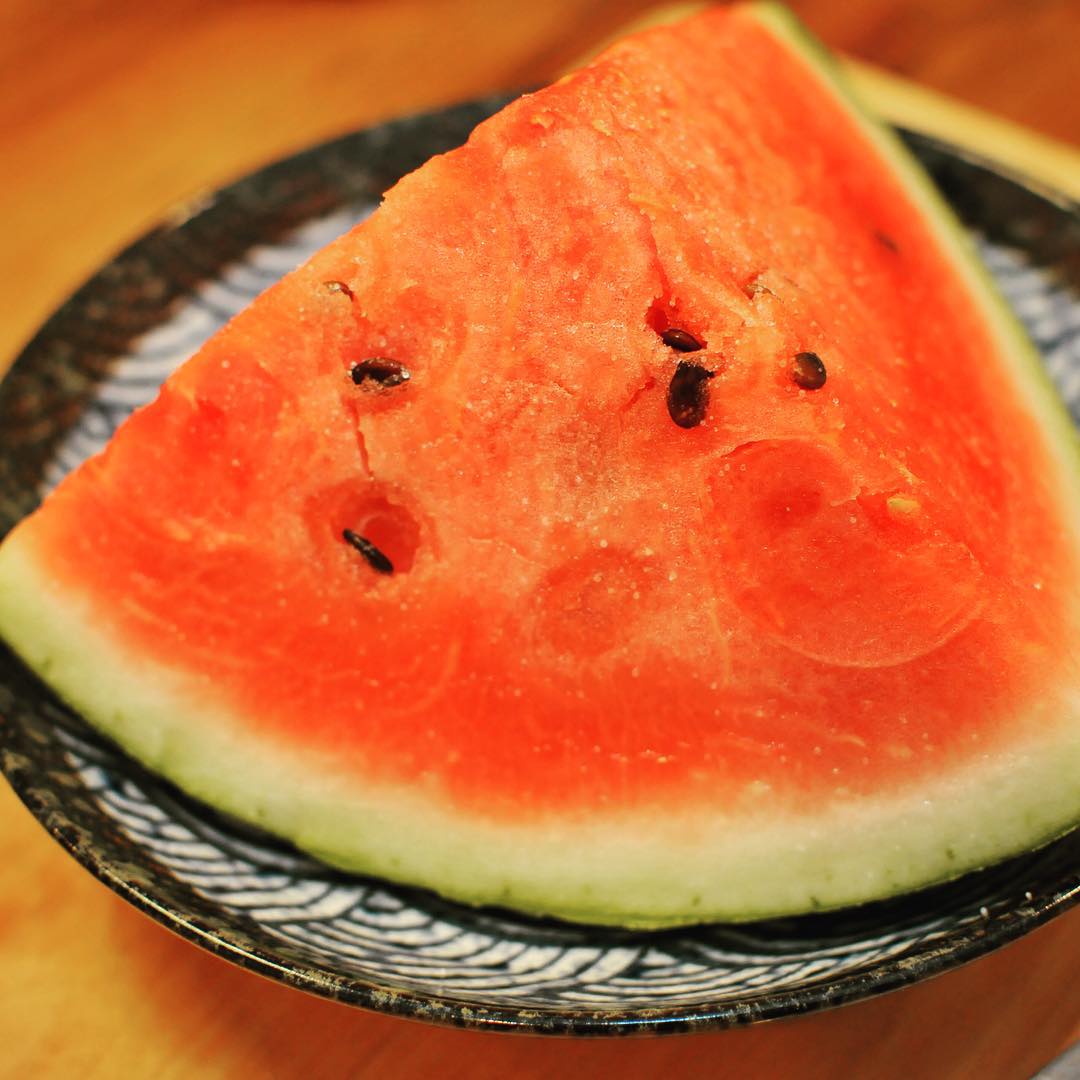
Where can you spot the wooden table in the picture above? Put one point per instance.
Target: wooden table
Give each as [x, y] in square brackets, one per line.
[111, 112]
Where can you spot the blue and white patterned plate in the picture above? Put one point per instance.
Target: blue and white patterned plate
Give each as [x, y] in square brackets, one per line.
[260, 903]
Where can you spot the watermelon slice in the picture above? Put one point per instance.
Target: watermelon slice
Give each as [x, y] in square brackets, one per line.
[650, 515]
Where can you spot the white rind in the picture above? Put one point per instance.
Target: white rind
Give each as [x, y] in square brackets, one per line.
[646, 869]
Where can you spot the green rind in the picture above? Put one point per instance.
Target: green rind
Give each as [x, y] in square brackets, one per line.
[646, 870]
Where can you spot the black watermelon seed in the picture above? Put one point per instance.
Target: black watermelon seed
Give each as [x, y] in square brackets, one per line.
[886, 241]
[376, 559]
[807, 371]
[380, 371]
[341, 287]
[688, 394]
[681, 340]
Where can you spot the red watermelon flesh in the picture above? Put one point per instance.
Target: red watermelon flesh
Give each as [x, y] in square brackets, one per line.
[816, 647]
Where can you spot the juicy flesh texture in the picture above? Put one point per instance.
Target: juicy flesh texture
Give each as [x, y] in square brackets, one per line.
[811, 593]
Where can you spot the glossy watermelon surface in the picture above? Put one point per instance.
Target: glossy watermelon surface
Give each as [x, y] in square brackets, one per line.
[647, 516]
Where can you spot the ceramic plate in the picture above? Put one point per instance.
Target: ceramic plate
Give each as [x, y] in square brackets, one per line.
[260, 903]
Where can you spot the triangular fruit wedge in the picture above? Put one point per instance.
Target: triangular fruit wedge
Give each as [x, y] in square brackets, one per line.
[648, 516]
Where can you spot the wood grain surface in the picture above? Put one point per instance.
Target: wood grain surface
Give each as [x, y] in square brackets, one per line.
[111, 112]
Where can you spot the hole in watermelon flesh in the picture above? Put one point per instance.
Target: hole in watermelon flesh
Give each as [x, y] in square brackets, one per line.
[754, 286]
[842, 576]
[339, 287]
[666, 320]
[584, 607]
[391, 529]
[365, 511]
